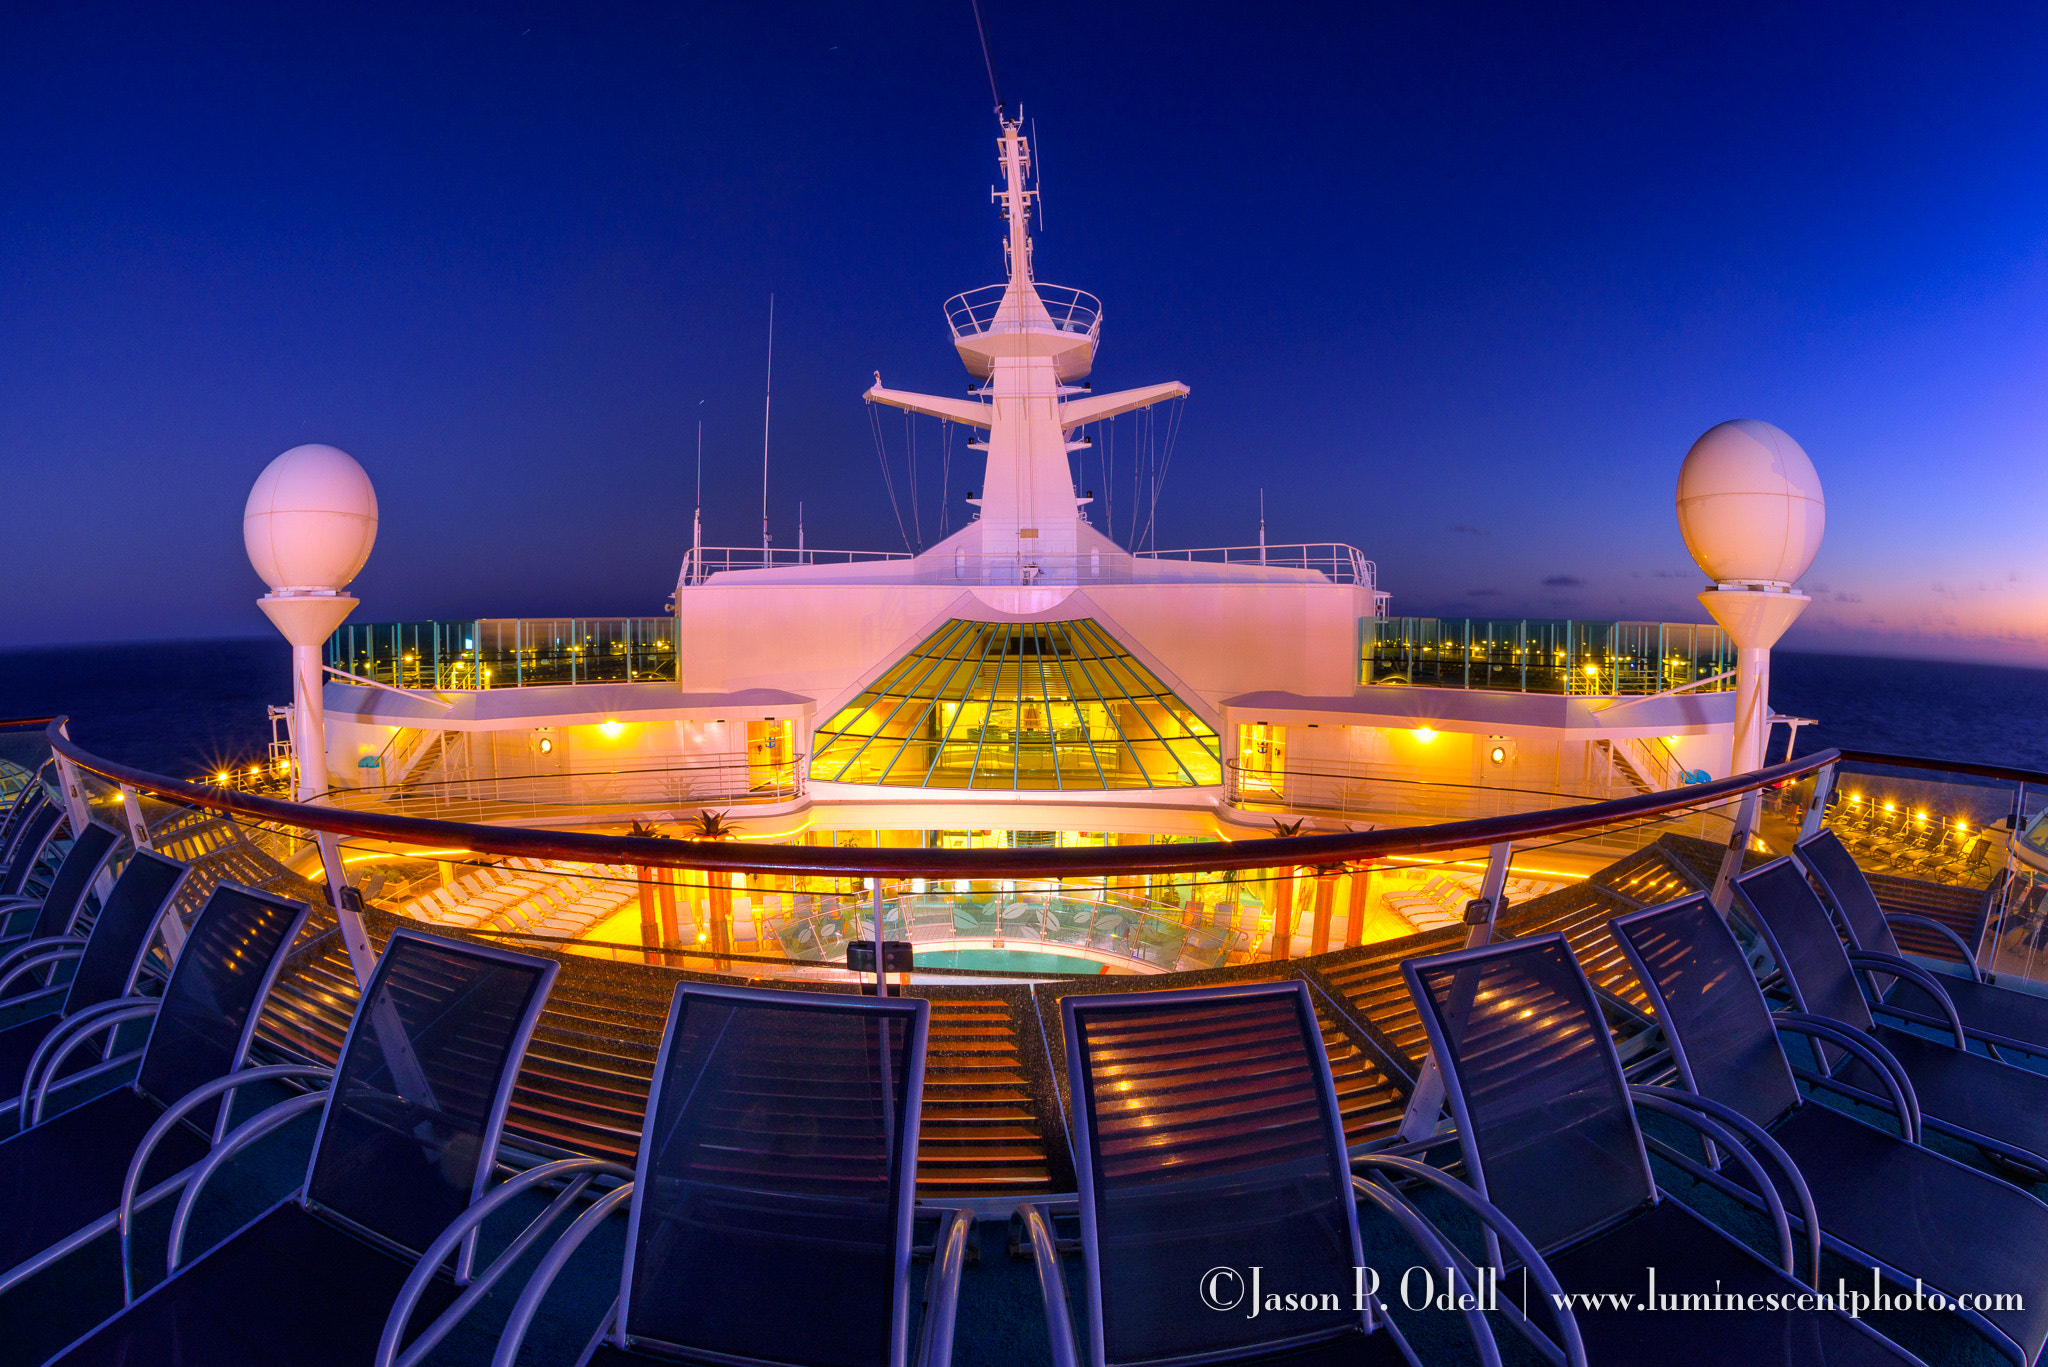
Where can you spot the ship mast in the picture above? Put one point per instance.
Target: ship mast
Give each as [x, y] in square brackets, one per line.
[1031, 346]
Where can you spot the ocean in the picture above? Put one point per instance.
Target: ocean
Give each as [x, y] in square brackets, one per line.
[185, 708]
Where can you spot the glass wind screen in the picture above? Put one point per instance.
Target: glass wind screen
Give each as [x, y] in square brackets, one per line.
[1018, 705]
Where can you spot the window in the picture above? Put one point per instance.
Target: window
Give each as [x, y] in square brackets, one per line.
[1018, 705]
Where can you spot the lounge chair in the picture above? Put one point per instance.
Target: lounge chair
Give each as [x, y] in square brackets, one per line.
[62, 1179]
[2000, 1108]
[1881, 1199]
[1208, 1139]
[780, 1148]
[408, 1139]
[106, 964]
[58, 907]
[1547, 1126]
[1998, 1016]
[28, 805]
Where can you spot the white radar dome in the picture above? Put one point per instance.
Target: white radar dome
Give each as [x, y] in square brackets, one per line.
[1750, 505]
[310, 520]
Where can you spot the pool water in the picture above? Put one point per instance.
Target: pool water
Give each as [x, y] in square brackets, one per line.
[1020, 961]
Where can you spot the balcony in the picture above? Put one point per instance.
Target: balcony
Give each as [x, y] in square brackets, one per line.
[972, 314]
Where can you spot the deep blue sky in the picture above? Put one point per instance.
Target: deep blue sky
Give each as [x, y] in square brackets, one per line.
[1458, 284]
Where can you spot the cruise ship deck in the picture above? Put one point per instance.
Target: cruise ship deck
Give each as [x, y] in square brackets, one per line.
[1031, 948]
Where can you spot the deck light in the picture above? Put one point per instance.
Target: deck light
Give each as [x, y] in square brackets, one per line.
[611, 729]
[221, 777]
[1423, 735]
[547, 745]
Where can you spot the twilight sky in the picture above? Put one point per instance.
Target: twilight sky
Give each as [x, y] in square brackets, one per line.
[1457, 284]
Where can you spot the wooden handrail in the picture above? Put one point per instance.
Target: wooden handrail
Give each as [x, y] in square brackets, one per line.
[1312, 850]
[1950, 766]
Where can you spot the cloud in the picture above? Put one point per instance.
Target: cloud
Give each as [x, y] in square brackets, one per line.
[1482, 593]
[1674, 574]
[1463, 530]
[1564, 581]
[1848, 598]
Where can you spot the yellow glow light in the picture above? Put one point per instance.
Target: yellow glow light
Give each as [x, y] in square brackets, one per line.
[1888, 807]
[1592, 670]
[612, 729]
[221, 777]
[254, 770]
[1423, 735]
[1856, 797]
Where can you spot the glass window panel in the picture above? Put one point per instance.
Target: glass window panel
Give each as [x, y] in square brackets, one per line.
[1017, 706]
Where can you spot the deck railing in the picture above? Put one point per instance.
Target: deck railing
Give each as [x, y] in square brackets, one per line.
[972, 313]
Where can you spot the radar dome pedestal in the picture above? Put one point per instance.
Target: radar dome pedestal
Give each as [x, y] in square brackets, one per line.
[309, 525]
[1752, 513]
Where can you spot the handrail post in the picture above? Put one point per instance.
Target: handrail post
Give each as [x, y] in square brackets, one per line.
[1426, 1100]
[1731, 858]
[1817, 808]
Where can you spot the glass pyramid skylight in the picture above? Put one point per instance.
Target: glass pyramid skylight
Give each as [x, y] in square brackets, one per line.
[1018, 705]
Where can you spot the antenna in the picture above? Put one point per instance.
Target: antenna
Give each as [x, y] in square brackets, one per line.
[982, 29]
[697, 517]
[767, 406]
[1262, 526]
[1037, 175]
[800, 531]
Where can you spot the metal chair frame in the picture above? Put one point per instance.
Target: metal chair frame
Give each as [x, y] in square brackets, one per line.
[1993, 1040]
[45, 1071]
[935, 1341]
[1718, 1124]
[1905, 1109]
[266, 1121]
[10, 906]
[108, 1016]
[1896, 1071]
[1033, 1220]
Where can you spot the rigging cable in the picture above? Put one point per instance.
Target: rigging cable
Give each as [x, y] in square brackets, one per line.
[888, 480]
[945, 474]
[1165, 462]
[982, 29]
[910, 446]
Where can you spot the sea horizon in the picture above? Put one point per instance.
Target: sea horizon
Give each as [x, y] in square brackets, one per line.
[187, 706]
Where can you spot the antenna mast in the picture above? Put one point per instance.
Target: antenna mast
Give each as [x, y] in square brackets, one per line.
[767, 406]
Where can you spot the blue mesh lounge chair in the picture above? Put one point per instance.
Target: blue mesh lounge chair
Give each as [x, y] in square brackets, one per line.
[30, 804]
[1547, 1125]
[1881, 1199]
[1996, 1015]
[1209, 1141]
[2000, 1108]
[780, 1148]
[58, 907]
[62, 1181]
[25, 857]
[100, 996]
[407, 1140]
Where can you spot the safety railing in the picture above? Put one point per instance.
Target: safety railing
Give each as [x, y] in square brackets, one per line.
[1318, 563]
[973, 313]
[1538, 655]
[584, 795]
[701, 562]
[1336, 561]
[1023, 862]
[1359, 792]
[505, 652]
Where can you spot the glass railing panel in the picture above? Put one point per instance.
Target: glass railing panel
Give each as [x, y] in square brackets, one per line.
[1606, 659]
